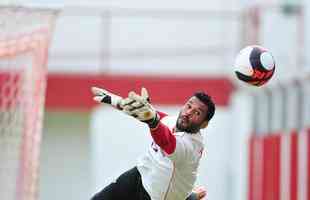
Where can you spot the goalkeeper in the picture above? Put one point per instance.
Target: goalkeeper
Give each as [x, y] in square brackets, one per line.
[168, 170]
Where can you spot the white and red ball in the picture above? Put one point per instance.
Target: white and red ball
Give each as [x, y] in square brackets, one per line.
[254, 65]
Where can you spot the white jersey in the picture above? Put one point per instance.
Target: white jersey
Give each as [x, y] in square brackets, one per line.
[171, 177]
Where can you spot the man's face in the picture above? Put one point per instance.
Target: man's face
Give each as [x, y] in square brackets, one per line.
[192, 115]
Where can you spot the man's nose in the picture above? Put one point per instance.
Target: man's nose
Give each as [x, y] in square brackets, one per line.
[188, 112]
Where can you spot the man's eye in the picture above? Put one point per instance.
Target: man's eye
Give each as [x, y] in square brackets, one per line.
[197, 113]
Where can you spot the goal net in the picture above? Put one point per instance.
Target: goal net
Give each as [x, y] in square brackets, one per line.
[24, 40]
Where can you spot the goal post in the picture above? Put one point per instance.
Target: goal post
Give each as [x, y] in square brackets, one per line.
[24, 41]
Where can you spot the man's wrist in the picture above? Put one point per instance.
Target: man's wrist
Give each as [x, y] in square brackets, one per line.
[153, 123]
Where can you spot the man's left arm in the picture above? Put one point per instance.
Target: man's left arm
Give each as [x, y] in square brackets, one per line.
[175, 146]
[139, 107]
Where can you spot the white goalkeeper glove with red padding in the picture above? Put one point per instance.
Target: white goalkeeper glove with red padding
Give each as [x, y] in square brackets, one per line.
[104, 96]
[139, 107]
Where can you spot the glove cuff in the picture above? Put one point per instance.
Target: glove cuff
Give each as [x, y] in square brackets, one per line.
[115, 100]
[152, 123]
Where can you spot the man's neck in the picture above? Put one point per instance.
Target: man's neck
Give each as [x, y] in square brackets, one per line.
[175, 130]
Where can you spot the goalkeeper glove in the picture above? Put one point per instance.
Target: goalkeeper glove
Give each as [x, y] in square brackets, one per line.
[139, 107]
[104, 96]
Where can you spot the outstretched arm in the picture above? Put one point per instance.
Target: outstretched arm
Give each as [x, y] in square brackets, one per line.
[135, 105]
[140, 108]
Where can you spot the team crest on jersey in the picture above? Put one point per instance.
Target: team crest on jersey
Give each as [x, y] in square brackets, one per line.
[156, 148]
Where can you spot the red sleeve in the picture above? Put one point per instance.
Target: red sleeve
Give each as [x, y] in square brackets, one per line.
[164, 138]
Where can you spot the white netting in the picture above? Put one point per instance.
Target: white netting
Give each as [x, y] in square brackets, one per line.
[24, 39]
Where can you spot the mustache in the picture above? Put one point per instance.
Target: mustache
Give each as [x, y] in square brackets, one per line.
[184, 117]
[189, 128]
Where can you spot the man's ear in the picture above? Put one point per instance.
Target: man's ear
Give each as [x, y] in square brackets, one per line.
[204, 124]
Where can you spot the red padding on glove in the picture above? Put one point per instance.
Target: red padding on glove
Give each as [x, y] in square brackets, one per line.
[161, 115]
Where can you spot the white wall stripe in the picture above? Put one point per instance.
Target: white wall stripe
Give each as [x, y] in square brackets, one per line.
[285, 167]
[258, 169]
[302, 165]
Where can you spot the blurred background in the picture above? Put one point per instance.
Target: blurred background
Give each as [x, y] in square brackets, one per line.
[258, 143]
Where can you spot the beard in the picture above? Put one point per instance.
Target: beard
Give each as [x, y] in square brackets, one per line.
[185, 125]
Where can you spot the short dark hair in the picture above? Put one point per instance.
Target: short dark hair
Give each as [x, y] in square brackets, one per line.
[207, 100]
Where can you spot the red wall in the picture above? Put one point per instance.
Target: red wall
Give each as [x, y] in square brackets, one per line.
[72, 91]
[265, 171]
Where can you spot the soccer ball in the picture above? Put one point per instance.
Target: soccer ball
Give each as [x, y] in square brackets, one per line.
[254, 65]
